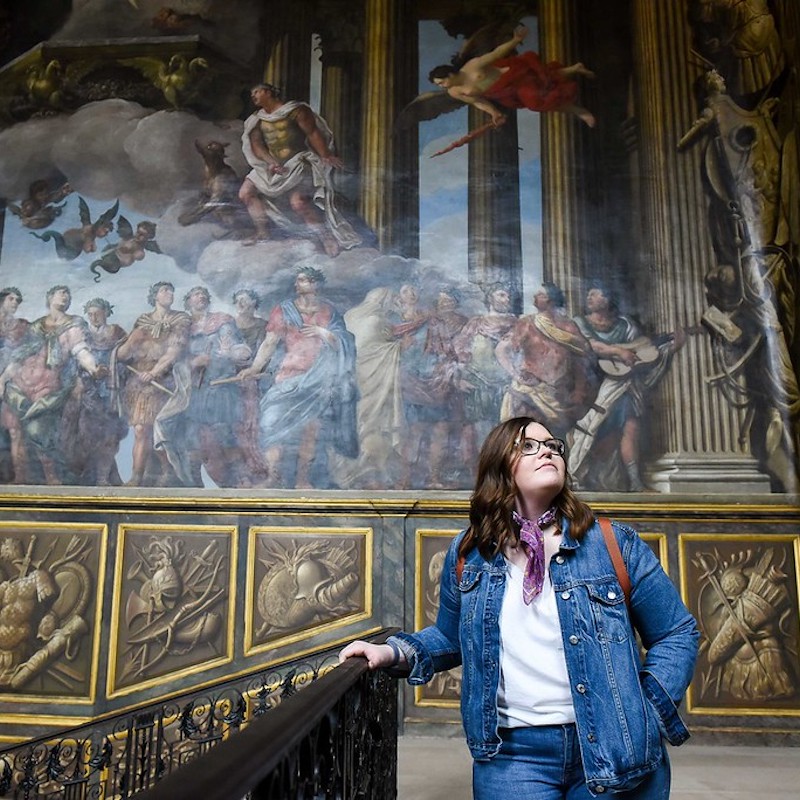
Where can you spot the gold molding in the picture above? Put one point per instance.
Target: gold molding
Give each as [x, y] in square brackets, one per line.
[34, 719]
[661, 540]
[400, 503]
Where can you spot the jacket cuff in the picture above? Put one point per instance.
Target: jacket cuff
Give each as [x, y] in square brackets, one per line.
[398, 670]
[670, 722]
[420, 666]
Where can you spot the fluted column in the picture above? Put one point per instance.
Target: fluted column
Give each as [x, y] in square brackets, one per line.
[389, 185]
[289, 61]
[495, 239]
[341, 53]
[564, 230]
[700, 437]
[340, 105]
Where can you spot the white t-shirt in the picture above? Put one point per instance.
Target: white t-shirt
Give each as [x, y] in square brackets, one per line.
[534, 685]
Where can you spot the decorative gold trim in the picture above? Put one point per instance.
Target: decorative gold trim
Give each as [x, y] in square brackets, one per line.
[60, 721]
[368, 537]
[401, 503]
[232, 531]
[303, 678]
[739, 729]
[410, 720]
[423, 702]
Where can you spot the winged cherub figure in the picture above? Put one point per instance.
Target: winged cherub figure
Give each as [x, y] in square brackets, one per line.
[42, 205]
[74, 241]
[132, 246]
[500, 79]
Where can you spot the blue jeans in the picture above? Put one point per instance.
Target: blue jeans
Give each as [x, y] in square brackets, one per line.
[544, 763]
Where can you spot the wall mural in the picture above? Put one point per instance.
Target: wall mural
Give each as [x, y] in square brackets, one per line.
[210, 281]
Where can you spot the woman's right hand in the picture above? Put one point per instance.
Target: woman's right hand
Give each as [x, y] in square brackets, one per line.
[378, 656]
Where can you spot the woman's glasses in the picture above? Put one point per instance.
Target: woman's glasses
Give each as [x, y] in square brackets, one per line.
[530, 447]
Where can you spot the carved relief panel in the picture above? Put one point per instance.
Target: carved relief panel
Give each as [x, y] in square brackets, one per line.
[743, 590]
[444, 690]
[305, 580]
[173, 605]
[51, 578]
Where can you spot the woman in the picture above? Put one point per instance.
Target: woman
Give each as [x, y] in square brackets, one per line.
[554, 700]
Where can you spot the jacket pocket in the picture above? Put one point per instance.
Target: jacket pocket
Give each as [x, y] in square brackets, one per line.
[609, 613]
[468, 586]
[470, 578]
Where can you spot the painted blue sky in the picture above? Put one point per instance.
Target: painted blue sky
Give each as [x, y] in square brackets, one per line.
[443, 180]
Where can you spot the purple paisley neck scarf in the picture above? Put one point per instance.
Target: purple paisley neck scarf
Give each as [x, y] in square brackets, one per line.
[532, 539]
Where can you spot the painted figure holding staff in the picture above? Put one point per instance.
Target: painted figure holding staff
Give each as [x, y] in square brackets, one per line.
[158, 388]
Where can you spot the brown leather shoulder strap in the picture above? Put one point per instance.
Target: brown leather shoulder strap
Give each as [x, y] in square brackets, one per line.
[460, 568]
[616, 558]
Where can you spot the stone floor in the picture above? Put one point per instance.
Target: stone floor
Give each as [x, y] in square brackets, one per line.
[432, 768]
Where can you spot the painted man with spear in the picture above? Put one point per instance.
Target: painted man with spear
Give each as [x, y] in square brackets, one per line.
[497, 80]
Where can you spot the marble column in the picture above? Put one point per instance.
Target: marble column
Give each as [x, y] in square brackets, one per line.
[565, 233]
[495, 240]
[341, 56]
[695, 429]
[389, 169]
[340, 104]
[289, 61]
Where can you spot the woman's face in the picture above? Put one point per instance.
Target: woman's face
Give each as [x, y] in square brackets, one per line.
[538, 476]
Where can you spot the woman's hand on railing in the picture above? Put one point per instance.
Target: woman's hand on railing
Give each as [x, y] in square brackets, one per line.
[379, 656]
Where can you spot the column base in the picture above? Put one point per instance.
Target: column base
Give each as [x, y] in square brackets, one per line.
[721, 474]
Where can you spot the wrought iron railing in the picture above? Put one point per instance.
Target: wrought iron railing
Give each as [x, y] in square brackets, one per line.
[337, 738]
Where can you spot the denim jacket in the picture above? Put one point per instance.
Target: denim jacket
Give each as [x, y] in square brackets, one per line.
[623, 706]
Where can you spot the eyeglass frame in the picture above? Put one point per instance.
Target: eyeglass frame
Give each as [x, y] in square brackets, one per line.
[561, 449]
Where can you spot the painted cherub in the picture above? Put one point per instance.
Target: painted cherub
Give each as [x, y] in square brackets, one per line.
[42, 205]
[74, 241]
[132, 246]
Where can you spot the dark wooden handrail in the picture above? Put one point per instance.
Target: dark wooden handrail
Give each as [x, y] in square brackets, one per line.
[234, 767]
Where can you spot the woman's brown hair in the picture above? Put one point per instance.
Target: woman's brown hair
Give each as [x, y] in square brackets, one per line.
[491, 524]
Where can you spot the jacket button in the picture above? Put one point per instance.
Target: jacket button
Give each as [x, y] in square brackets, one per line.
[591, 737]
[581, 688]
[565, 595]
[573, 639]
[559, 559]
[612, 595]
[599, 789]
